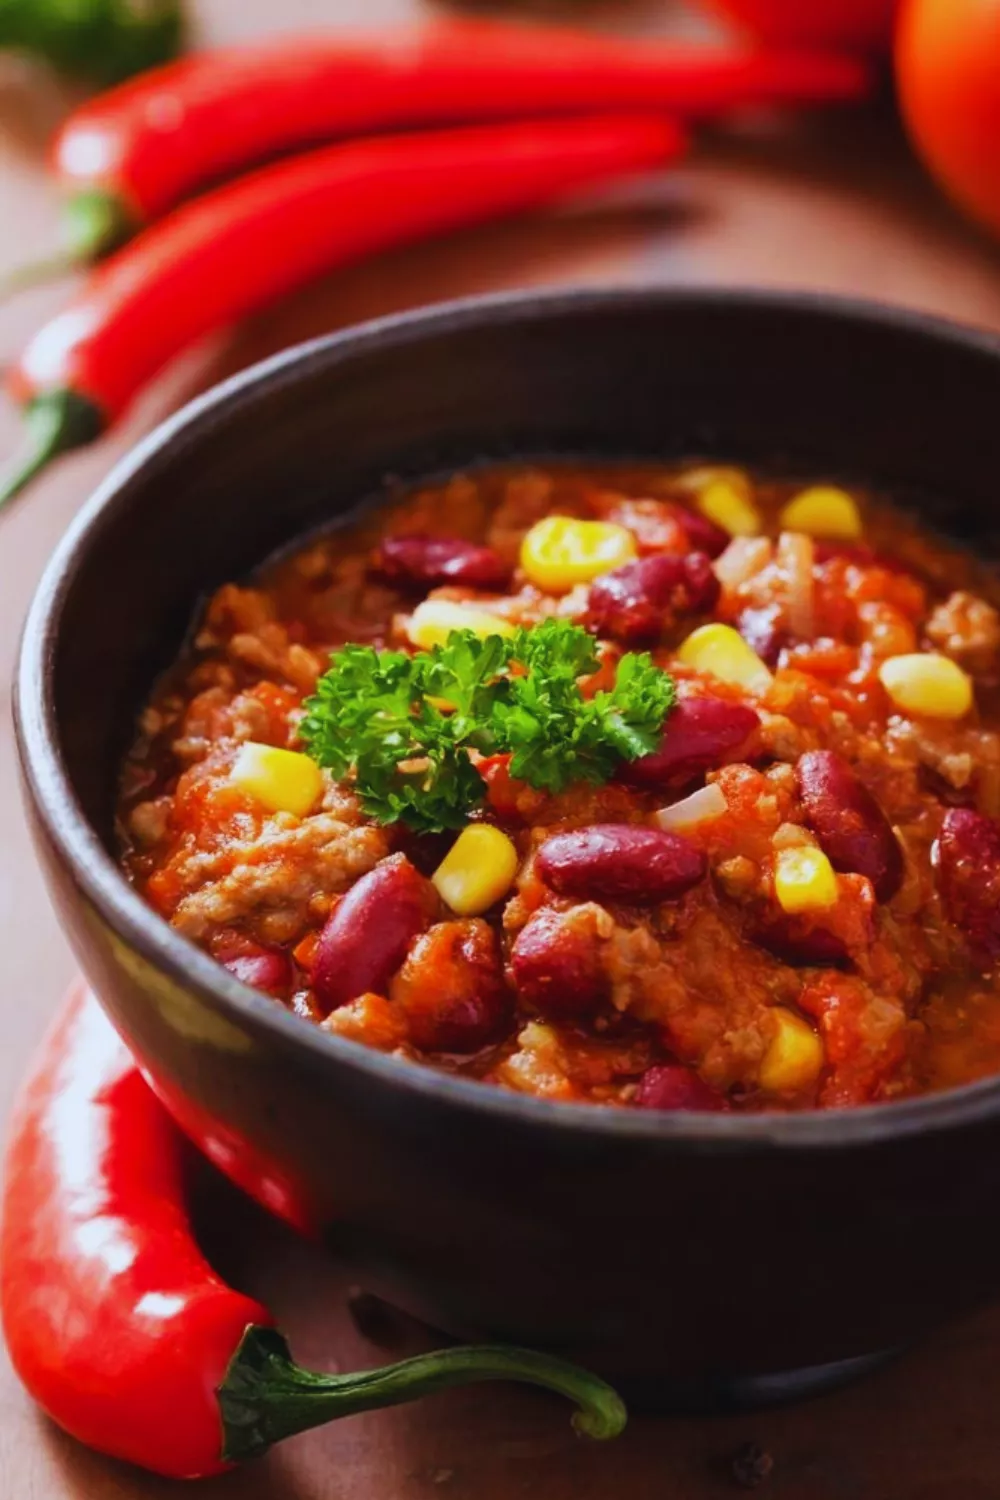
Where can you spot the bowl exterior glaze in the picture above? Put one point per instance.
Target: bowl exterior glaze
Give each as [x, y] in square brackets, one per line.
[697, 1256]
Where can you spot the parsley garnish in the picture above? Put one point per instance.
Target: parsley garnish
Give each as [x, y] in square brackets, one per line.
[373, 713]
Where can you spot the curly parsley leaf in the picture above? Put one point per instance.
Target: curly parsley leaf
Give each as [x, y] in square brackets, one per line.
[404, 725]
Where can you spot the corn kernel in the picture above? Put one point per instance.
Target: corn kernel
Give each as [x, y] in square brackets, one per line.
[804, 881]
[928, 684]
[478, 869]
[283, 780]
[729, 505]
[823, 511]
[722, 652]
[794, 1057]
[560, 552]
[432, 622]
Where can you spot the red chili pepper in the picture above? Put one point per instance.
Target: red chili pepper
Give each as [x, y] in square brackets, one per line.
[117, 1325]
[237, 250]
[131, 155]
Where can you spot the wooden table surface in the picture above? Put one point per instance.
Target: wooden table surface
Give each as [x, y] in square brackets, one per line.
[834, 204]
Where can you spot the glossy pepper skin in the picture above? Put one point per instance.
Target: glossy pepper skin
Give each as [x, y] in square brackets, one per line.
[117, 1325]
[113, 1319]
[235, 251]
[103, 40]
[132, 155]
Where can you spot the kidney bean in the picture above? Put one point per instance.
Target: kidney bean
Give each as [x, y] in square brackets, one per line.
[266, 969]
[451, 988]
[677, 1088]
[703, 533]
[641, 600]
[699, 735]
[702, 585]
[968, 860]
[620, 862]
[369, 930]
[556, 963]
[425, 561]
[853, 831]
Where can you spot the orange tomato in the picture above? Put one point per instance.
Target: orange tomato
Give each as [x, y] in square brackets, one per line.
[948, 72]
[857, 25]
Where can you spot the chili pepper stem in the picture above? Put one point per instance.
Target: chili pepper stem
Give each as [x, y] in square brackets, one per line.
[55, 423]
[266, 1397]
[94, 223]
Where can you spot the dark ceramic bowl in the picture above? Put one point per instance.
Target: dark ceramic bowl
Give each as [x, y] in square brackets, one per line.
[703, 1258]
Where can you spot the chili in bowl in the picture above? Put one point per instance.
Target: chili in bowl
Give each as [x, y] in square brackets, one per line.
[670, 788]
[718, 1115]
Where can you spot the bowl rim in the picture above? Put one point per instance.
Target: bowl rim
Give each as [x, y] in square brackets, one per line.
[94, 872]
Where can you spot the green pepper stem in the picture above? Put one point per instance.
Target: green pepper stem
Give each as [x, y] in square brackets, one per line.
[55, 423]
[95, 222]
[266, 1397]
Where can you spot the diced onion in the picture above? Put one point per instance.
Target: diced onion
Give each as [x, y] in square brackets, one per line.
[796, 556]
[742, 560]
[701, 807]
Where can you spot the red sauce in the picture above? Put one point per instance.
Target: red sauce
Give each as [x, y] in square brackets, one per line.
[691, 989]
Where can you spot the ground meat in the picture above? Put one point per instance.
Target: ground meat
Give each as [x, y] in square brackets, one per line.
[370, 1019]
[704, 988]
[557, 1062]
[967, 629]
[781, 738]
[527, 498]
[251, 720]
[149, 821]
[962, 758]
[200, 726]
[280, 872]
[538, 1065]
[271, 653]
[885, 630]
[738, 877]
[233, 610]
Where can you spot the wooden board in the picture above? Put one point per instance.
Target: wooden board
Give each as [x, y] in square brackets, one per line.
[835, 204]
